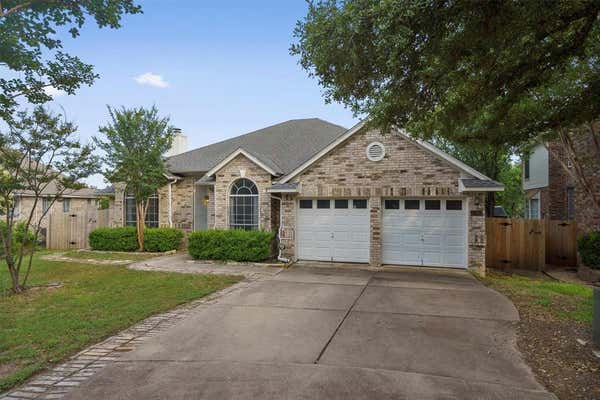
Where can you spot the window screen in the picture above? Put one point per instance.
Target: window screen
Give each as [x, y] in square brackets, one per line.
[306, 203]
[359, 203]
[341, 204]
[66, 205]
[243, 205]
[432, 204]
[392, 204]
[453, 204]
[412, 204]
[323, 204]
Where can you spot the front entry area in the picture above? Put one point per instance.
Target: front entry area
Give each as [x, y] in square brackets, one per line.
[333, 230]
[428, 232]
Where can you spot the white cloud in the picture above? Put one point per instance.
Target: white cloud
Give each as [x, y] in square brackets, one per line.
[151, 79]
[54, 92]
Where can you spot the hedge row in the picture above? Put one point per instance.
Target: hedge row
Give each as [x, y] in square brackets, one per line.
[125, 239]
[589, 249]
[235, 245]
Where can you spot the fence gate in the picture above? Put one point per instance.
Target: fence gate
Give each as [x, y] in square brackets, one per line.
[530, 244]
[561, 243]
[71, 230]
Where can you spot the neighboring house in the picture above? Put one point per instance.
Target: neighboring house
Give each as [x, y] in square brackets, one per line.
[331, 193]
[71, 201]
[551, 192]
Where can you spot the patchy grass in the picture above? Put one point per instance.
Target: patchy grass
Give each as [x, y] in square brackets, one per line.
[107, 255]
[45, 325]
[554, 332]
[566, 301]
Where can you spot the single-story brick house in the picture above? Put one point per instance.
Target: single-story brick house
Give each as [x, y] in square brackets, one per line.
[332, 194]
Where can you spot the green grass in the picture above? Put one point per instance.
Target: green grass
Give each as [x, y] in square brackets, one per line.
[566, 301]
[44, 326]
[107, 255]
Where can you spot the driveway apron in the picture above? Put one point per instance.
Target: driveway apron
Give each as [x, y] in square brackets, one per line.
[334, 333]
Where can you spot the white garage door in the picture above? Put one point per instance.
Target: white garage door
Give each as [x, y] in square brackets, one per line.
[333, 230]
[430, 232]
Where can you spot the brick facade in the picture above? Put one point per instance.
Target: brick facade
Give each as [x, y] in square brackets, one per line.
[241, 167]
[554, 199]
[406, 170]
[586, 215]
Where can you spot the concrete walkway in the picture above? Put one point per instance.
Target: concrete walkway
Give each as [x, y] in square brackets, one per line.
[319, 333]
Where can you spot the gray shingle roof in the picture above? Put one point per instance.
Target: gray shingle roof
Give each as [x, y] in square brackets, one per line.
[106, 191]
[479, 183]
[282, 147]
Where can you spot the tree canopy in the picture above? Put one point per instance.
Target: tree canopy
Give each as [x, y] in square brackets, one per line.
[494, 72]
[39, 156]
[134, 145]
[31, 59]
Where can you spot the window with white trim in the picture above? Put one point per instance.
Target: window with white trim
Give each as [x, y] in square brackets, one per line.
[243, 205]
[151, 212]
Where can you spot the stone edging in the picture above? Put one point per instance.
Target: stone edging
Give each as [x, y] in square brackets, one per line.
[58, 380]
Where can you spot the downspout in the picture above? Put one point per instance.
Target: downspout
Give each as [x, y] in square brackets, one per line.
[280, 247]
[171, 203]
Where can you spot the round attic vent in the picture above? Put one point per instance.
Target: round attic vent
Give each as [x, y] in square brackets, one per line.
[375, 151]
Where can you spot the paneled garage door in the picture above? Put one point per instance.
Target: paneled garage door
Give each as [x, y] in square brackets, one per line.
[431, 232]
[333, 230]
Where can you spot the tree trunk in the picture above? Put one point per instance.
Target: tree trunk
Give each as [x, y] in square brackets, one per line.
[140, 225]
[14, 276]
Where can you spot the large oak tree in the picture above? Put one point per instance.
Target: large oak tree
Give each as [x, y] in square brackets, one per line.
[489, 73]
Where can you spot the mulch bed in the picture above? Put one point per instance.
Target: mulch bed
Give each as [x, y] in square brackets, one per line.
[549, 346]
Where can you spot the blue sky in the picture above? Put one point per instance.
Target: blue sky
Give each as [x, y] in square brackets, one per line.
[224, 68]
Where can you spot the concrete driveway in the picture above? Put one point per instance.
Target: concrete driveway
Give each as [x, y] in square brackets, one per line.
[323, 333]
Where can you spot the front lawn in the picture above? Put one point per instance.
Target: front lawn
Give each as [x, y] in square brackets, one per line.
[560, 300]
[45, 325]
[554, 333]
[107, 255]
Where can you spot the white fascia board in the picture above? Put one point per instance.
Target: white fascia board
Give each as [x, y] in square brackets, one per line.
[235, 154]
[462, 188]
[323, 152]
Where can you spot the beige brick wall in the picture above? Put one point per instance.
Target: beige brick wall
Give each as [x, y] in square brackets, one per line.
[182, 203]
[406, 170]
[225, 178]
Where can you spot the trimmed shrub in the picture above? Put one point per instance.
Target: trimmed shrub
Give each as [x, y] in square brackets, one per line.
[235, 245]
[114, 239]
[162, 239]
[589, 249]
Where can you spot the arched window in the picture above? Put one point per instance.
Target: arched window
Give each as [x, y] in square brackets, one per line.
[151, 212]
[243, 205]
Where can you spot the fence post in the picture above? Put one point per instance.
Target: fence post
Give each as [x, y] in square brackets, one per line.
[596, 318]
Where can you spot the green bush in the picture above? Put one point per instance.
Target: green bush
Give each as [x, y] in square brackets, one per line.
[20, 237]
[125, 239]
[114, 239]
[589, 249]
[162, 239]
[236, 245]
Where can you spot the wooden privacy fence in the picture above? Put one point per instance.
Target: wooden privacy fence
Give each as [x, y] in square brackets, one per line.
[71, 230]
[530, 244]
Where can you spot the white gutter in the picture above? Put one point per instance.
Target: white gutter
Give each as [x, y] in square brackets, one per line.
[171, 202]
[279, 257]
